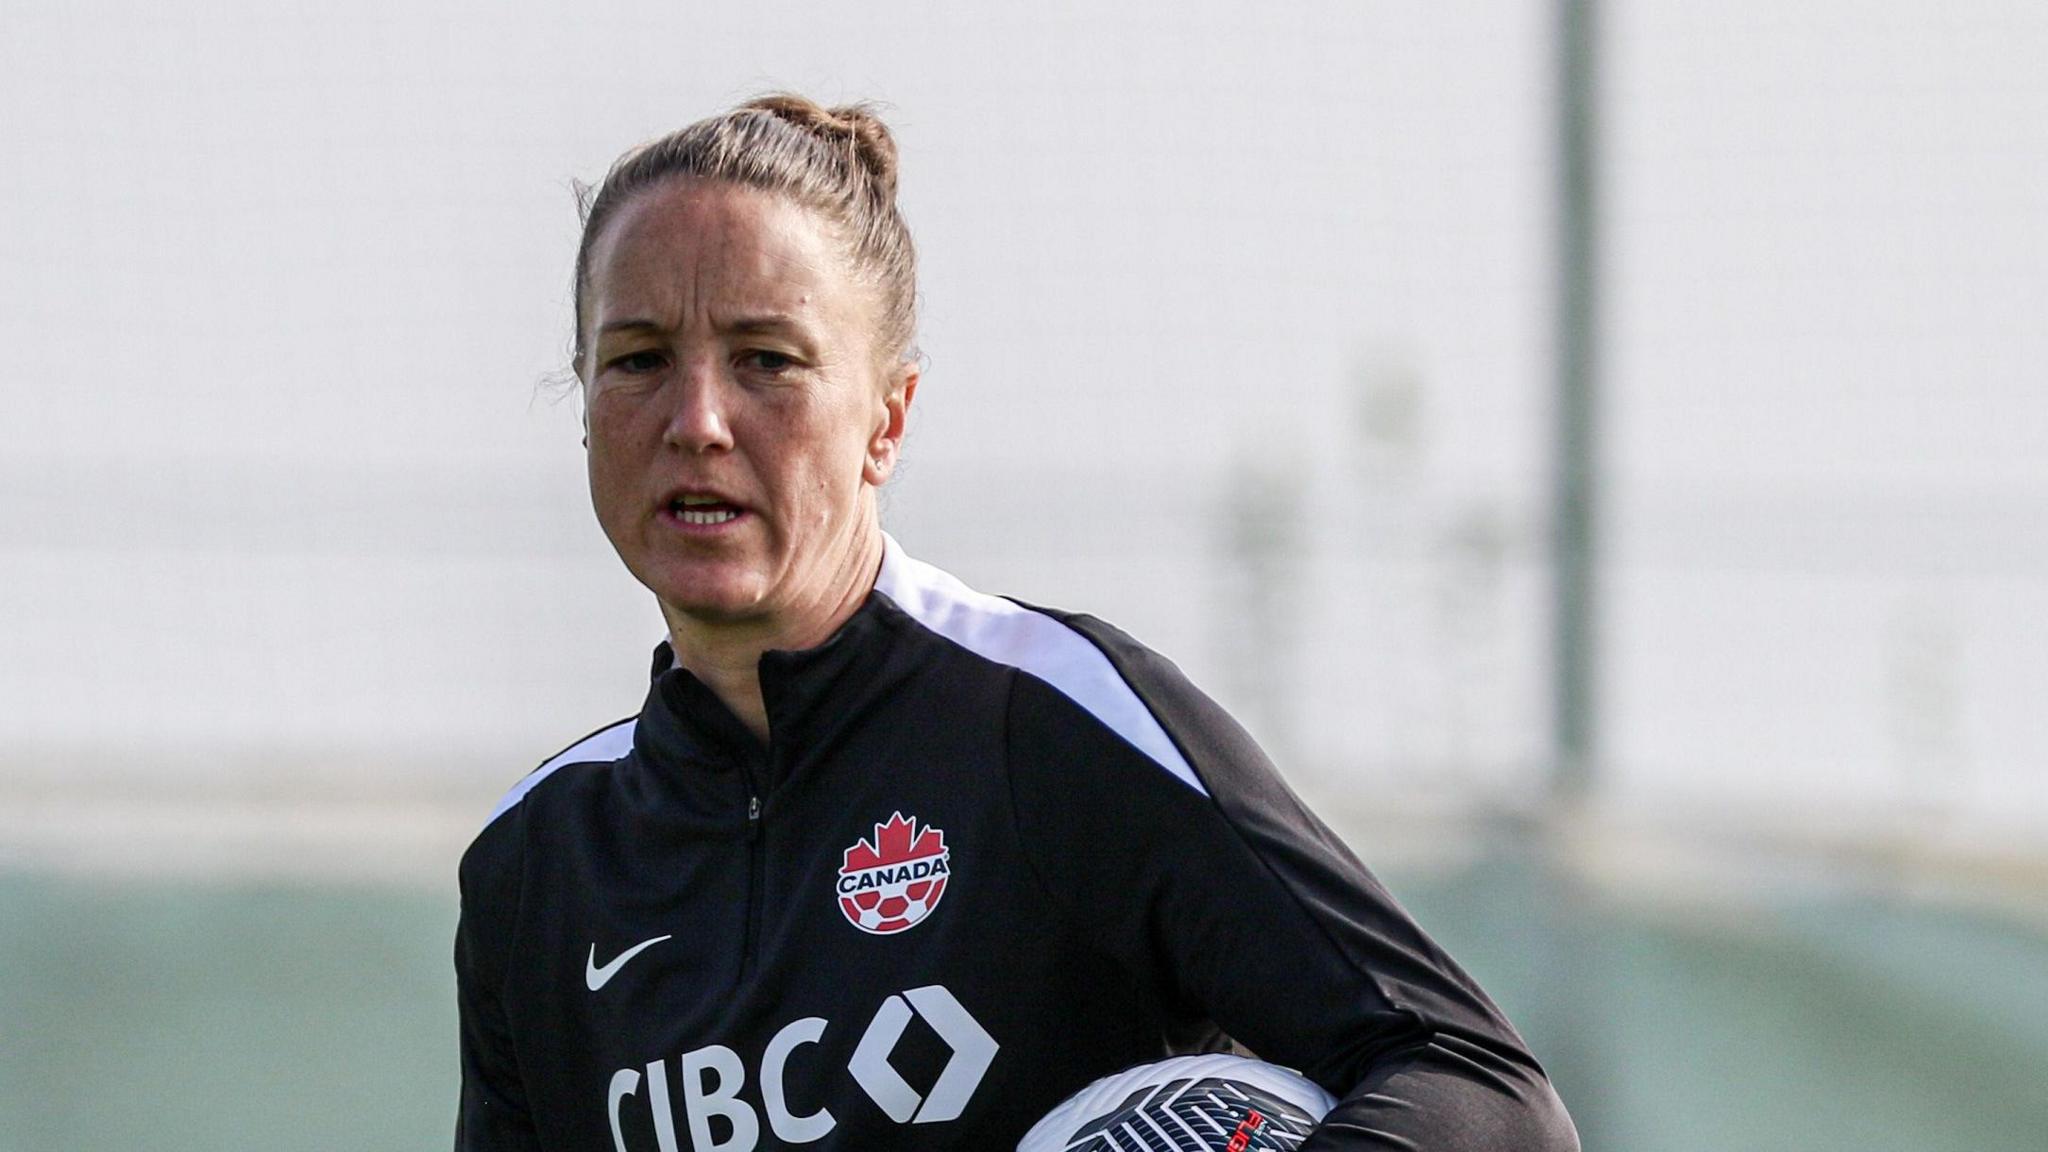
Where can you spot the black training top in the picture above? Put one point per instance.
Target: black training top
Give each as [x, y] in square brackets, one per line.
[990, 853]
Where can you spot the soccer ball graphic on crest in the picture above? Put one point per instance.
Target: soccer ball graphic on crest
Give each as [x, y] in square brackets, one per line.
[895, 880]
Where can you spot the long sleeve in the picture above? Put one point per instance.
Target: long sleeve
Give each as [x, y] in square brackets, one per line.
[492, 1115]
[1231, 901]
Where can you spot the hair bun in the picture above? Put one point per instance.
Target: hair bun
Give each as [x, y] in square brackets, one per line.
[854, 125]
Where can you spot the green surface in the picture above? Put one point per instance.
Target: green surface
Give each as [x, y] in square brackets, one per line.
[176, 1017]
[180, 1017]
[1809, 1026]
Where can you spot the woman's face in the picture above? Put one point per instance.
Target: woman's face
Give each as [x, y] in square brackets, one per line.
[738, 409]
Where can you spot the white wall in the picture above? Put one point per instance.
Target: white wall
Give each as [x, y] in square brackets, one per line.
[281, 507]
[1829, 448]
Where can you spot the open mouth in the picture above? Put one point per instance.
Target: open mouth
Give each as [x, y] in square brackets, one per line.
[703, 510]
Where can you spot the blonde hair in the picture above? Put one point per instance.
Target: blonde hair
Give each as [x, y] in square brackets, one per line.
[838, 162]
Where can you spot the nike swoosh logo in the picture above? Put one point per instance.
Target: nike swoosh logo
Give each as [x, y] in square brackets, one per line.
[597, 977]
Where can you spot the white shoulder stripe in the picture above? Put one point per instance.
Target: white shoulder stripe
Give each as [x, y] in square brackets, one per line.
[600, 747]
[1007, 633]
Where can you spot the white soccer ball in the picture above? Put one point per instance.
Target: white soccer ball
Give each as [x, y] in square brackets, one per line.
[1213, 1103]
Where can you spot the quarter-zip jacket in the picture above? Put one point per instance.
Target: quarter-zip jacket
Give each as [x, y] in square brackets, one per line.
[989, 853]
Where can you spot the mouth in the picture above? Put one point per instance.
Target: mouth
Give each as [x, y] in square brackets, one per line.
[702, 510]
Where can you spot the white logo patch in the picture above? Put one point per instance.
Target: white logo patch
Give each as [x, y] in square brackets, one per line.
[717, 1096]
[596, 977]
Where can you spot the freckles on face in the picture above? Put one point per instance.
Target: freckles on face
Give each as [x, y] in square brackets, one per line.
[730, 392]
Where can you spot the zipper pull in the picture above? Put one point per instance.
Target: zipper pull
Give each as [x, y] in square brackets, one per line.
[753, 816]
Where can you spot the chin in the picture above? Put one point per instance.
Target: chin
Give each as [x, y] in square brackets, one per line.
[713, 593]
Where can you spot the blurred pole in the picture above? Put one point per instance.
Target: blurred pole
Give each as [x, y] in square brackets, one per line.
[1577, 392]
[1578, 986]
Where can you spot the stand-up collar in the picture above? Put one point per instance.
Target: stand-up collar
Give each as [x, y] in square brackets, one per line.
[811, 695]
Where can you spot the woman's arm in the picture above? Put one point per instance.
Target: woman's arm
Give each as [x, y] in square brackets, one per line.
[1236, 903]
[492, 1115]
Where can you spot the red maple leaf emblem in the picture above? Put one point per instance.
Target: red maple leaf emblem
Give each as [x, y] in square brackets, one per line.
[895, 842]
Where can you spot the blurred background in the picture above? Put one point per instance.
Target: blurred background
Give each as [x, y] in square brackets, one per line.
[1601, 450]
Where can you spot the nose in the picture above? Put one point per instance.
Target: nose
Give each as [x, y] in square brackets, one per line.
[699, 422]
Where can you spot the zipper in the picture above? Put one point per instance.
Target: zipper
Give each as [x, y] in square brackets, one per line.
[751, 931]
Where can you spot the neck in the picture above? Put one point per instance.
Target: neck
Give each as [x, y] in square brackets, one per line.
[726, 654]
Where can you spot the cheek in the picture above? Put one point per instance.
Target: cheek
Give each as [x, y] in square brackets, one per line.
[622, 424]
[613, 469]
[838, 464]
[823, 453]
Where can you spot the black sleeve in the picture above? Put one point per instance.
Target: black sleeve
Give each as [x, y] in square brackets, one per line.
[492, 1115]
[1240, 905]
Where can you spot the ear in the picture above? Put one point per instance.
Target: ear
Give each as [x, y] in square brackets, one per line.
[886, 445]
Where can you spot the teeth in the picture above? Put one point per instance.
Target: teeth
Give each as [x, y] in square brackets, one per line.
[690, 500]
[689, 517]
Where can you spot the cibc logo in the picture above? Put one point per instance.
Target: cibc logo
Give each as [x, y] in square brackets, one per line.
[711, 1078]
[895, 880]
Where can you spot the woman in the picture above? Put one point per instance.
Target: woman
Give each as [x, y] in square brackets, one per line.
[884, 862]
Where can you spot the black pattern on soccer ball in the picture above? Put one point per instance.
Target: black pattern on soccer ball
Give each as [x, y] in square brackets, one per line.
[1197, 1116]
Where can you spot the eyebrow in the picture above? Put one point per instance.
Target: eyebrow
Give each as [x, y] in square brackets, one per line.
[764, 322]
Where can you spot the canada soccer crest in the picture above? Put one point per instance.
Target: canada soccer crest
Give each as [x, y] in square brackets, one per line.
[895, 880]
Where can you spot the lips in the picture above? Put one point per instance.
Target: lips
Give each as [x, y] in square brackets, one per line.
[699, 508]
[714, 513]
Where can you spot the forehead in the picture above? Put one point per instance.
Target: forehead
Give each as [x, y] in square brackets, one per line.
[688, 248]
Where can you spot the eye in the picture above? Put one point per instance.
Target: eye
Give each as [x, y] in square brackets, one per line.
[637, 363]
[772, 363]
